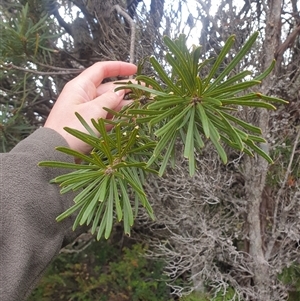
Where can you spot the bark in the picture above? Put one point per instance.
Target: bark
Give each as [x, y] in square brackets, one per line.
[257, 168]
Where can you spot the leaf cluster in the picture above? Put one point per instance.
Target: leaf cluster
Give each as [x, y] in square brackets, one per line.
[177, 106]
[21, 37]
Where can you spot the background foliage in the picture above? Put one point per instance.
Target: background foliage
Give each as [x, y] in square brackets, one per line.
[231, 228]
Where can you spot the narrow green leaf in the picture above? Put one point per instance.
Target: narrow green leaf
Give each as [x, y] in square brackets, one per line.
[146, 112]
[91, 175]
[157, 67]
[259, 151]
[103, 188]
[231, 131]
[90, 209]
[128, 215]
[232, 89]
[134, 183]
[88, 139]
[204, 119]
[266, 72]
[76, 154]
[199, 85]
[117, 199]
[166, 156]
[198, 140]
[109, 220]
[69, 211]
[143, 88]
[85, 124]
[180, 58]
[271, 98]
[149, 81]
[100, 126]
[175, 120]
[219, 61]
[215, 138]
[132, 139]
[102, 224]
[249, 103]
[165, 115]
[234, 79]
[238, 57]
[97, 158]
[189, 143]
[96, 221]
[160, 146]
[184, 73]
[242, 123]
[210, 101]
[167, 102]
[88, 190]
[66, 165]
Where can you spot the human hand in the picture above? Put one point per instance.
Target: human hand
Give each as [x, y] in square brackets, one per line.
[87, 95]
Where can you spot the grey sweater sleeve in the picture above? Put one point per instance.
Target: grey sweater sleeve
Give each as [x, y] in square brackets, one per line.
[30, 237]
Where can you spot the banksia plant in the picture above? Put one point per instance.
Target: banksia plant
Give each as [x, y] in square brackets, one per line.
[175, 106]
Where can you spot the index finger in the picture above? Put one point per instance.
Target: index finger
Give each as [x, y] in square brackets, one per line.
[97, 72]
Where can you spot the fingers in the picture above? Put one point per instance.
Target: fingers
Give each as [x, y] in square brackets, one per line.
[110, 100]
[111, 86]
[97, 72]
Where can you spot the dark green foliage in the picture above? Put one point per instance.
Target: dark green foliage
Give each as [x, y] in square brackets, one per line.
[291, 277]
[104, 273]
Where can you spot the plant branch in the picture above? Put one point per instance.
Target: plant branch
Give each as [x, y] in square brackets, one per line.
[279, 195]
[62, 72]
[120, 11]
[288, 42]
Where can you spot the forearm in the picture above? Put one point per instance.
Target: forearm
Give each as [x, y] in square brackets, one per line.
[30, 235]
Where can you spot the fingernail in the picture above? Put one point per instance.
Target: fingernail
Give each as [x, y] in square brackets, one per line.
[119, 92]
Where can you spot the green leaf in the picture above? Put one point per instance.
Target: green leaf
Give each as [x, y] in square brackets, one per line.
[167, 113]
[69, 211]
[271, 98]
[249, 103]
[109, 220]
[235, 88]
[166, 156]
[204, 119]
[259, 151]
[160, 146]
[215, 138]
[85, 124]
[102, 224]
[242, 123]
[76, 154]
[266, 72]
[97, 217]
[189, 143]
[175, 120]
[163, 75]
[66, 165]
[128, 215]
[92, 205]
[166, 102]
[150, 82]
[238, 57]
[117, 199]
[184, 73]
[232, 132]
[218, 62]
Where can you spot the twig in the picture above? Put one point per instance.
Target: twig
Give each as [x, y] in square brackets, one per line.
[62, 72]
[132, 30]
[279, 194]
